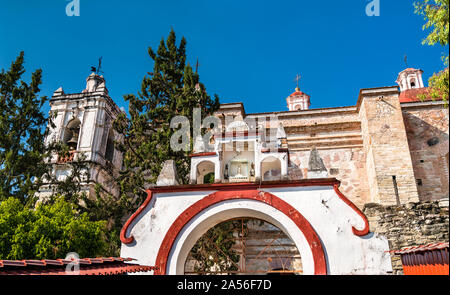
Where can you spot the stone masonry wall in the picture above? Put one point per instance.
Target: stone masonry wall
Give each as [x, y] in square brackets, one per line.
[345, 164]
[428, 139]
[389, 167]
[411, 224]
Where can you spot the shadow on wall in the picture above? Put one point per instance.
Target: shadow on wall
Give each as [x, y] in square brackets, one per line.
[429, 148]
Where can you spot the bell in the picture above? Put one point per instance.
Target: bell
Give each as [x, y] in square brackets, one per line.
[72, 143]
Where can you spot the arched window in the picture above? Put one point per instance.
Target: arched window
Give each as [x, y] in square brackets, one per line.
[109, 153]
[71, 133]
[413, 83]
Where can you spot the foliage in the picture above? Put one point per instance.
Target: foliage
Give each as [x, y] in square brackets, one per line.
[25, 165]
[436, 15]
[172, 89]
[48, 232]
[214, 252]
[209, 178]
[22, 133]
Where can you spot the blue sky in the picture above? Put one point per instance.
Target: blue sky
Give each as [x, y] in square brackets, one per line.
[249, 51]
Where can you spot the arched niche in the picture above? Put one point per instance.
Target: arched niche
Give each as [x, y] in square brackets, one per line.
[271, 168]
[72, 133]
[204, 168]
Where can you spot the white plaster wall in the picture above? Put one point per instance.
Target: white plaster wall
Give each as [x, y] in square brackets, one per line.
[332, 220]
[330, 217]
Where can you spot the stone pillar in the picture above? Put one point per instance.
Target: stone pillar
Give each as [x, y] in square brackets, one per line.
[389, 166]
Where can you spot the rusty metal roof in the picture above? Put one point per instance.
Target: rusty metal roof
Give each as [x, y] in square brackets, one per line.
[428, 247]
[87, 266]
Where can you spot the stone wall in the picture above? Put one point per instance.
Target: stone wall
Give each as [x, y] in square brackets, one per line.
[428, 139]
[345, 164]
[411, 224]
[389, 167]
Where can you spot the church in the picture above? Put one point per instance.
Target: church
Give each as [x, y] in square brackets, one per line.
[310, 189]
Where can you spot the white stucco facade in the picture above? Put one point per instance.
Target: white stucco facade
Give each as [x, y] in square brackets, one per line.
[330, 217]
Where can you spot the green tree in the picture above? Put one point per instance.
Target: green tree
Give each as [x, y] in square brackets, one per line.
[171, 89]
[436, 15]
[48, 232]
[22, 133]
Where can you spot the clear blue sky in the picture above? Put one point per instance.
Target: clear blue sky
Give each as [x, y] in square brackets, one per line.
[249, 51]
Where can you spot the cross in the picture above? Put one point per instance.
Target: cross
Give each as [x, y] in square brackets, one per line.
[297, 78]
[196, 66]
[406, 60]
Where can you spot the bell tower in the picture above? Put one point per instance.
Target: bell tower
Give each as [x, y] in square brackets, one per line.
[410, 79]
[83, 121]
[298, 100]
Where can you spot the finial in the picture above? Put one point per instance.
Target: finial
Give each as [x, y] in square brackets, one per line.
[297, 78]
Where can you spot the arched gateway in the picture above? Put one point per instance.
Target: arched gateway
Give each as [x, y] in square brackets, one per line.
[331, 234]
[326, 231]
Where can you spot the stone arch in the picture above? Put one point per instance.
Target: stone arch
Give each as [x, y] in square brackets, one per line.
[221, 205]
[270, 168]
[237, 125]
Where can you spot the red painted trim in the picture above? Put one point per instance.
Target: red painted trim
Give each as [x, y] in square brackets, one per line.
[357, 232]
[221, 187]
[123, 232]
[311, 236]
[203, 154]
[246, 185]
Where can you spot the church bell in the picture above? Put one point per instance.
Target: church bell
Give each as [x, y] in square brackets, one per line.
[72, 143]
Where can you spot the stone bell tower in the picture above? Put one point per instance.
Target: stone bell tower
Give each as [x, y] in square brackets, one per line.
[84, 123]
[410, 79]
[298, 100]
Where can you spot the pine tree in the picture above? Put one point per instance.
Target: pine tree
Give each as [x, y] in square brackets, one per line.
[22, 133]
[171, 89]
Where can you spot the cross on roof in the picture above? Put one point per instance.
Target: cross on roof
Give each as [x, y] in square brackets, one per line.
[297, 78]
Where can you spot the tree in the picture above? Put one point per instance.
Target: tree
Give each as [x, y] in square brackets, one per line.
[48, 232]
[436, 15]
[171, 89]
[22, 133]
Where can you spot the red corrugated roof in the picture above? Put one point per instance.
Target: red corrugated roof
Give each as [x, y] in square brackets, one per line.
[87, 266]
[428, 247]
